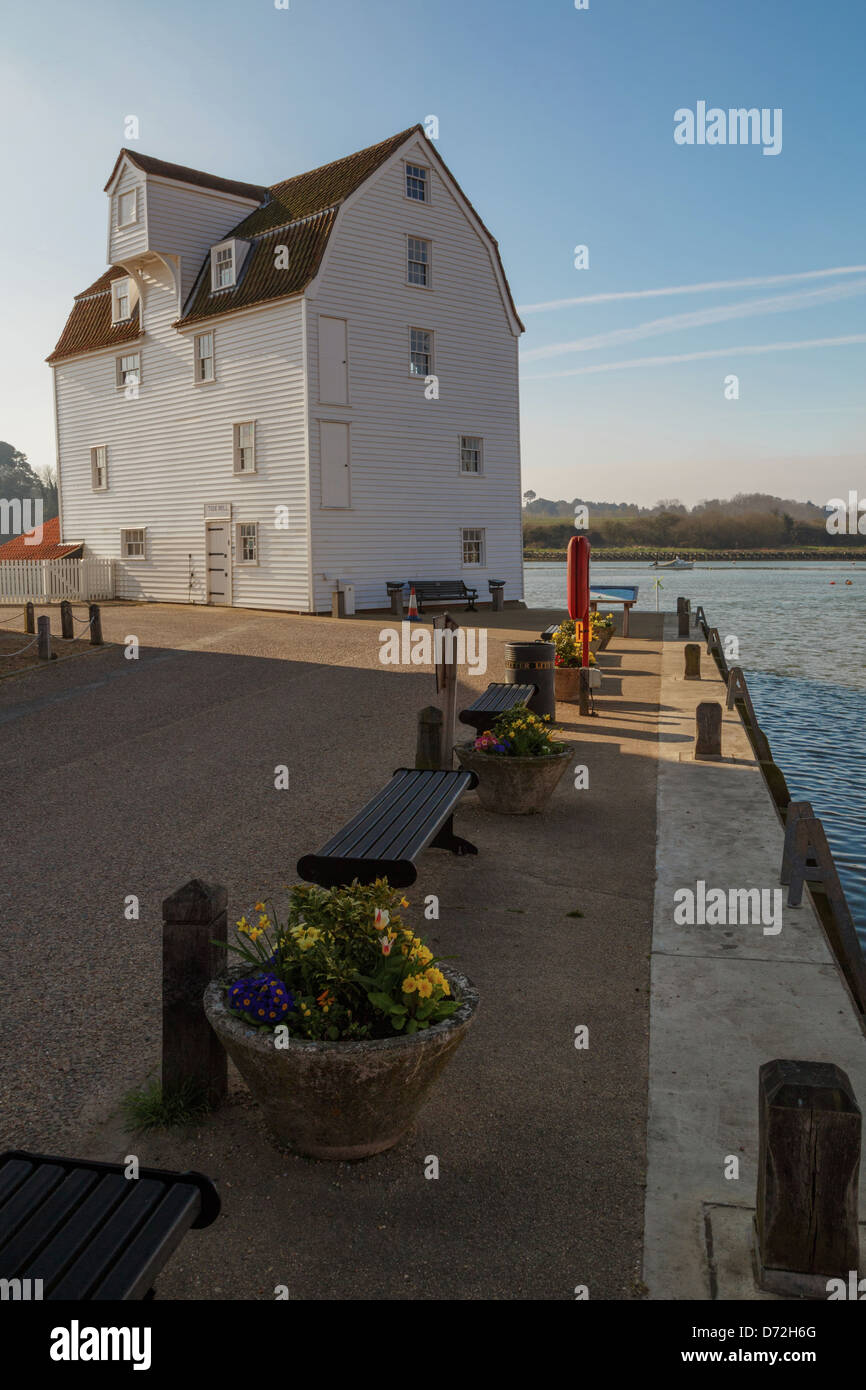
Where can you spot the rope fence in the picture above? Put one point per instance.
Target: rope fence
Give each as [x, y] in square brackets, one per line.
[92, 623]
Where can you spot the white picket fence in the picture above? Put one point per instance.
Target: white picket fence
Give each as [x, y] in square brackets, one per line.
[48, 581]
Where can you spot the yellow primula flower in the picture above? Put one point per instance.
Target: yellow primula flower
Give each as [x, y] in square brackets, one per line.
[410, 984]
[424, 955]
[425, 988]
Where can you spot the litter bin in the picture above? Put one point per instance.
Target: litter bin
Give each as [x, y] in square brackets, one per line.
[532, 663]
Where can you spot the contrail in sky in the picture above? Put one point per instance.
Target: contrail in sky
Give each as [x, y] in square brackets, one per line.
[700, 318]
[698, 356]
[756, 282]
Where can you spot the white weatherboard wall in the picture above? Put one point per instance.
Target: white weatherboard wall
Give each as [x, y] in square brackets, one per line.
[187, 222]
[171, 451]
[408, 499]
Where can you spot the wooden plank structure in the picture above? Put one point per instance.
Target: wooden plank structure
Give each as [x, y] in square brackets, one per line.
[415, 810]
[808, 1165]
[88, 1231]
[807, 858]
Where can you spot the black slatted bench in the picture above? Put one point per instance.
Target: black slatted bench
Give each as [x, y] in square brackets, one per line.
[547, 634]
[497, 699]
[442, 591]
[88, 1232]
[384, 839]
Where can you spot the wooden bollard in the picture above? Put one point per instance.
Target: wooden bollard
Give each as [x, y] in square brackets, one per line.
[29, 620]
[338, 604]
[583, 691]
[693, 661]
[95, 625]
[191, 1052]
[428, 750]
[708, 729]
[66, 626]
[43, 646]
[808, 1163]
[682, 622]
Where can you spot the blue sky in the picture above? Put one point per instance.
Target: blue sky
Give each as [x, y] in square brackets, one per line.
[559, 125]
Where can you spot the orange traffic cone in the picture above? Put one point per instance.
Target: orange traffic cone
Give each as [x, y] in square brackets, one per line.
[413, 614]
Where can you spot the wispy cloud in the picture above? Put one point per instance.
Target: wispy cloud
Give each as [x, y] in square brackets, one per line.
[700, 318]
[731, 352]
[756, 282]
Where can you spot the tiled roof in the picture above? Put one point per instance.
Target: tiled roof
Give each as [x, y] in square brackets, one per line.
[298, 213]
[49, 547]
[89, 325]
[162, 169]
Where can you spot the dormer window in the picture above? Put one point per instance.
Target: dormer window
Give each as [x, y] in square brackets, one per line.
[223, 268]
[121, 301]
[127, 208]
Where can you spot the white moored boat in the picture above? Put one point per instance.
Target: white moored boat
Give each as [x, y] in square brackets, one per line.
[676, 564]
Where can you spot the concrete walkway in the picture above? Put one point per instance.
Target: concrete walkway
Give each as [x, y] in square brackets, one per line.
[124, 777]
[724, 1000]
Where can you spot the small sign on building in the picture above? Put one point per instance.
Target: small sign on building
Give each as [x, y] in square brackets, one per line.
[218, 511]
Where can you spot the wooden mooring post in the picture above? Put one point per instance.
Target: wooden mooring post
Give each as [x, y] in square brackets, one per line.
[708, 729]
[693, 661]
[428, 749]
[43, 646]
[683, 617]
[29, 620]
[808, 1164]
[95, 625]
[193, 918]
[67, 628]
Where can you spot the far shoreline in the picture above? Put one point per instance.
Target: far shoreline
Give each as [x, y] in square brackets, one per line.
[641, 554]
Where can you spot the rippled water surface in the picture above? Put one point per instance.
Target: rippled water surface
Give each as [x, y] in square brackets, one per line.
[800, 629]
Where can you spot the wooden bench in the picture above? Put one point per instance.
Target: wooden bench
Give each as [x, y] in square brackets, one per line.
[443, 591]
[88, 1232]
[496, 700]
[385, 838]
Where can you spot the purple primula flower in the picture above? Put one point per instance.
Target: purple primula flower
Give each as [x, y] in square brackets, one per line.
[261, 998]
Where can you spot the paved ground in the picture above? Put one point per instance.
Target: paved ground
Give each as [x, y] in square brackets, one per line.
[127, 777]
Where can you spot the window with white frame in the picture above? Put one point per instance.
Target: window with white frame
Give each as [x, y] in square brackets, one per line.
[121, 301]
[417, 183]
[133, 544]
[222, 260]
[127, 208]
[128, 369]
[473, 545]
[248, 543]
[99, 467]
[418, 266]
[420, 352]
[471, 453]
[245, 447]
[204, 357]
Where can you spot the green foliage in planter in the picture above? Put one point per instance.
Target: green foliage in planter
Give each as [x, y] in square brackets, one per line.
[519, 734]
[351, 968]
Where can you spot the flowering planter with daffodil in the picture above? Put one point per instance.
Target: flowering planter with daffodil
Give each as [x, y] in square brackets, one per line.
[340, 1020]
[518, 763]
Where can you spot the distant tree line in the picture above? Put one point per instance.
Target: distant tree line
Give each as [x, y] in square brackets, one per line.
[18, 481]
[748, 521]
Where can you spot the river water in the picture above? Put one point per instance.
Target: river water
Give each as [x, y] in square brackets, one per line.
[800, 631]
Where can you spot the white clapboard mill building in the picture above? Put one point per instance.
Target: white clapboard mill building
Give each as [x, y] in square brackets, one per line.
[275, 391]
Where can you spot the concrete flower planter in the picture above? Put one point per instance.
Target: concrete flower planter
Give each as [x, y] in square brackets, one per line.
[514, 786]
[566, 681]
[604, 640]
[340, 1100]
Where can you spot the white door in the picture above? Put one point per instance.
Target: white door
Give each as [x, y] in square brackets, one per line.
[219, 562]
[336, 488]
[333, 362]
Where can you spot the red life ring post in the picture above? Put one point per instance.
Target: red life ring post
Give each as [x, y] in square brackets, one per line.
[577, 582]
